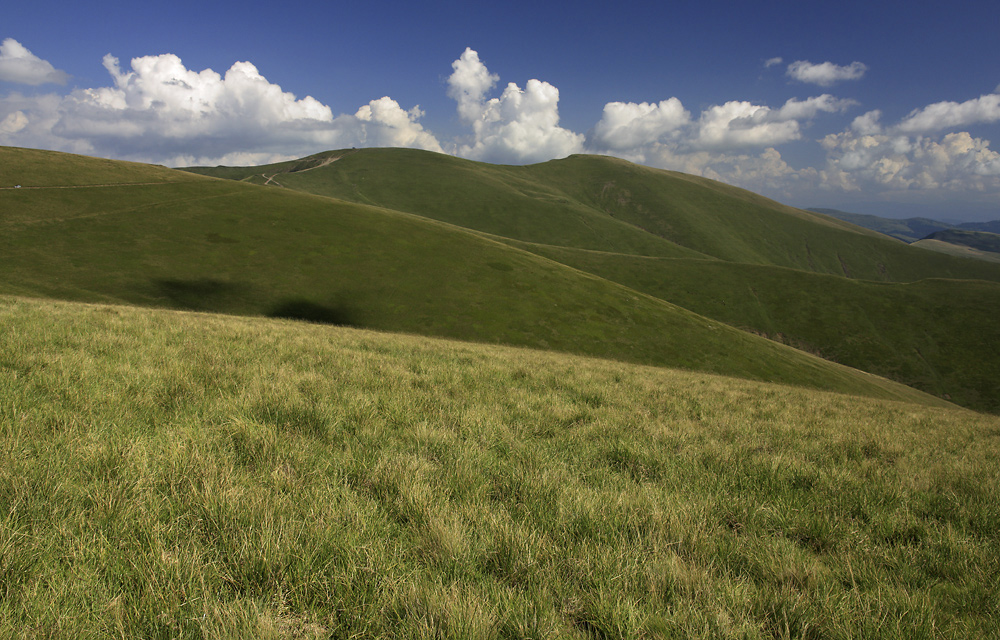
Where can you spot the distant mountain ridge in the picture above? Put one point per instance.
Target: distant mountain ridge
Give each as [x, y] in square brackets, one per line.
[908, 230]
[981, 240]
[992, 226]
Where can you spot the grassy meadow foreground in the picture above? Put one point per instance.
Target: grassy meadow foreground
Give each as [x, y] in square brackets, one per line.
[172, 474]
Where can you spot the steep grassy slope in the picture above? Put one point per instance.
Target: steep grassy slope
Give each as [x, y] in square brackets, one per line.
[178, 475]
[928, 334]
[224, 246]
[606, 204]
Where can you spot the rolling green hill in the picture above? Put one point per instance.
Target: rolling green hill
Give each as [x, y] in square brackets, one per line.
[172, 473]
[501, 200]
[927, 334]
[605, 204]
[802, 278]
[205, 244]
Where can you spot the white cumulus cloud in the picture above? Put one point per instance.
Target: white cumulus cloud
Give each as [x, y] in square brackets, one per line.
[868, 123]
[908, 156]
[469, 84]
[158, 110]
[947, 115]
[627, 125]
[732, 142]
[19, 65]
[825, 73]
[520, 126]
[891, 161]
[384, 123]
[13, 122]
[638, 131]
[743, 124]
[809, 108]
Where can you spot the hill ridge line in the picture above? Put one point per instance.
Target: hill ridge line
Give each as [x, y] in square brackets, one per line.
[93, 186]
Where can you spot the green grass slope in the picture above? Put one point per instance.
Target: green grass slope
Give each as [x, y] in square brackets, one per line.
[601, 203]
[223, 246]
[180, 475]
[928, 334]
[501, 200]
[36, 168]
[735, 257]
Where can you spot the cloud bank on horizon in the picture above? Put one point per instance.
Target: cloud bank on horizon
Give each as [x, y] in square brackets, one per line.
[158, 110]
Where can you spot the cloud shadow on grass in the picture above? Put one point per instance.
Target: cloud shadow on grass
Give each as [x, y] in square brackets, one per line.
[209, 294]
[309, 311]
[204, 294]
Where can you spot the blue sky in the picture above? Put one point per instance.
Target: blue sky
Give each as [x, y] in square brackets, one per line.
[888, 108]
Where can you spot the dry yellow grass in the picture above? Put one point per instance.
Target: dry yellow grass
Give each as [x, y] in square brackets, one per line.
[181, 475]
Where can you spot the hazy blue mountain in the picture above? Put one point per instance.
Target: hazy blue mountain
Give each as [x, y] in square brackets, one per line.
[992, 226]
[908, 229]
[982, 240]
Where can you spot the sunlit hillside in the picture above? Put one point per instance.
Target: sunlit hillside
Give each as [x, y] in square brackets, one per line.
[171, 474]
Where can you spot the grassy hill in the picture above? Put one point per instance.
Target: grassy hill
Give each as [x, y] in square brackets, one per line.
[213, 245]
[170, 474]
[606, 204]
[798, 277]
[501, 200]
[175, 473]
[927, 334]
